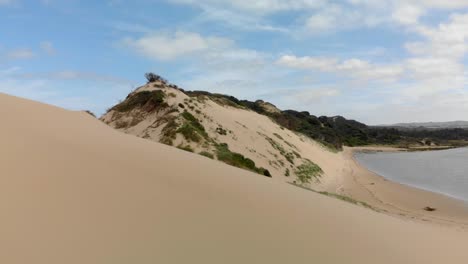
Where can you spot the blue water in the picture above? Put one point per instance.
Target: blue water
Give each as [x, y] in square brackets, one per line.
[444, 171]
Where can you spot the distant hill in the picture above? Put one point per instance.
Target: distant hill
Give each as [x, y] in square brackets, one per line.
[431, 125]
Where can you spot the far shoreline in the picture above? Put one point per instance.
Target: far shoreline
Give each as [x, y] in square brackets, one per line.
[407, 184]
[397, 199]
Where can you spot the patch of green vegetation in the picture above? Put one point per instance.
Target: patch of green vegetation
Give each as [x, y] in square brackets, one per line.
[192, 129]
[148, 100]
[172, 95]
[308, 171]
[121, 124]
[340, 197]
[90, 113]
[297, 154]
[289, 156]
[287, 173]
[207, 154]
[169, 132]
[238, 160]
[187, 148]
[181, 105]
[278, 136]
[347, 199]
[221, 131]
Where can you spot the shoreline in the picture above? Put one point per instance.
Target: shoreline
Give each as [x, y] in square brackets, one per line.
[406, 184]
[397, 199]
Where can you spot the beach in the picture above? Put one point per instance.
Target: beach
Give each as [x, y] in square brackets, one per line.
[398, 199]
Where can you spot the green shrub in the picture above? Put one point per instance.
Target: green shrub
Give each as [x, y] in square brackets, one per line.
[187, 148]
[189, 132]
[221, 131]
[149, 100]
[238, 160]
[308, 171]
[278, 136]
[207, 154]
[192, 130]
[289, 157]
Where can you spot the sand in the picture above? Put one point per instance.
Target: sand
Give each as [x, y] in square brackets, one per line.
[73, 190]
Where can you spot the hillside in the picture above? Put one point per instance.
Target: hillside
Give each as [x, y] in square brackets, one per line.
[76, 191]
[218, 129]
[287, 145]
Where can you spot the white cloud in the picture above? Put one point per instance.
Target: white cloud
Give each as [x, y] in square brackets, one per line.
[314, 63]
[258, 6]
[48, 47]
[313, 95]
[447, 39]
[407, 14]
[172, 46]
[354, 68]
[20, 54]
[333, 17]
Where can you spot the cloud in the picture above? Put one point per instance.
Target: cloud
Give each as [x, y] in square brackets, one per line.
[70, 75]
[20, 54]
[235, 19]
[69, 89]
[313, 95]
[333, 17]
[407, 14]
[258, 7]
[447, 39]
[48, 47]
[171, 46]
[354, 68]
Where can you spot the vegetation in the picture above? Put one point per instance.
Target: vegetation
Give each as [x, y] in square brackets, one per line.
[187, 148]
[147, 100]
[347, 199]
[339, 197]
[289, 156]
[221, 131]
[192, 130]
[308, 171]
[238, 160]
[90, 113]
[207, 154]
[332, 132]
[152, 77]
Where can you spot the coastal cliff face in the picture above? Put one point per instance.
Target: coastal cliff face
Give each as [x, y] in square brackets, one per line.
[220, 129]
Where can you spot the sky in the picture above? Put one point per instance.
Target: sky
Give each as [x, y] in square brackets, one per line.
[376, 61]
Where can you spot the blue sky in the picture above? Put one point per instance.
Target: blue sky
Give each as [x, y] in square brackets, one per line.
[377, 61]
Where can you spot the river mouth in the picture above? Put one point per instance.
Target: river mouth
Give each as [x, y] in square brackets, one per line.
[442, 171]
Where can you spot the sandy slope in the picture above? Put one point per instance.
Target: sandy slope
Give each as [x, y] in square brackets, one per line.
[72, 190]
[248, 134]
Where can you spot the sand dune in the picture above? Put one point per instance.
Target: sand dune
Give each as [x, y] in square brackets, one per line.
[73, 190]
[262, 140]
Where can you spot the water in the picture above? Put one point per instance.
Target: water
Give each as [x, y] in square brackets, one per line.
[444, 171]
